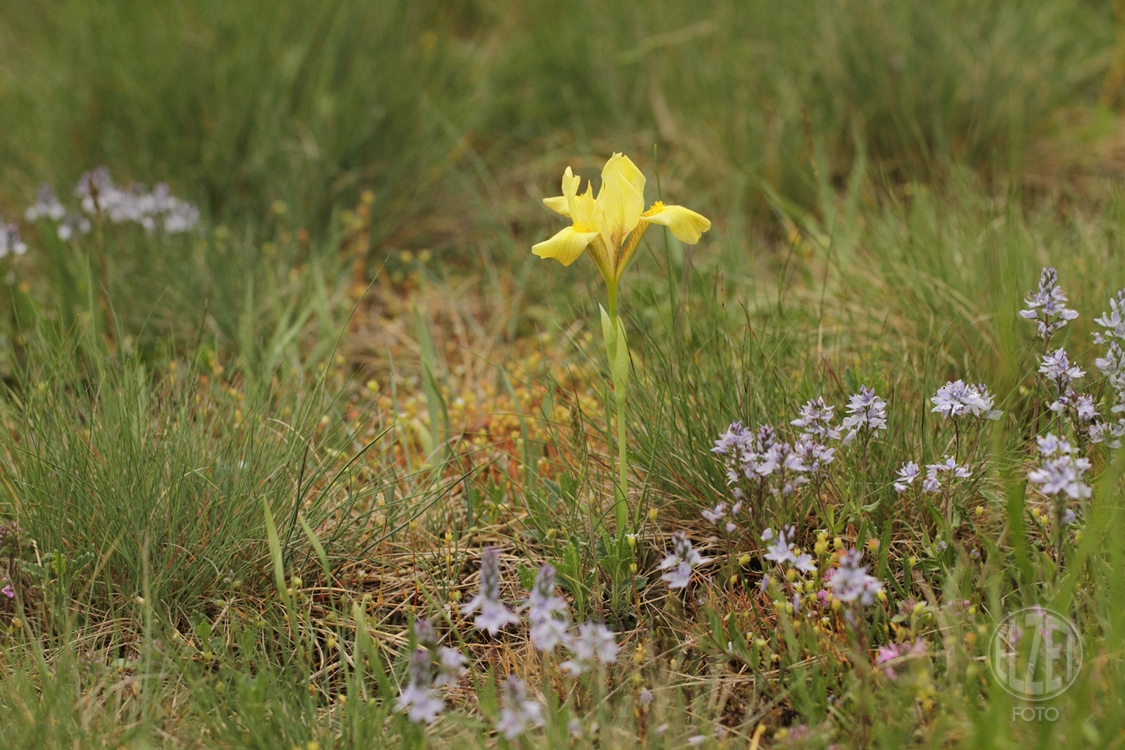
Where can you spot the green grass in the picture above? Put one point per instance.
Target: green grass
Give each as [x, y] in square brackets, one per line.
[239, 476]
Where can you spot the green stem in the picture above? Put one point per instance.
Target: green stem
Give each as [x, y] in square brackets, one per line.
[621, 506]
[620, 503]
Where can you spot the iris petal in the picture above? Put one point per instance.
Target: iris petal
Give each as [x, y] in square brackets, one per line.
[566, 246]
[686, 225]
[559, 204]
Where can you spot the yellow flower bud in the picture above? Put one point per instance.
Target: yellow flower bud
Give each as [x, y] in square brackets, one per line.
[744, 560]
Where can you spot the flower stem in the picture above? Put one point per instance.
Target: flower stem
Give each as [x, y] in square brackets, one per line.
[620, 501]
[621, 506]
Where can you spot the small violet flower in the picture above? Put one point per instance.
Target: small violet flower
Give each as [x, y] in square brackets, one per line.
[519, 713]
[867, 412]
[417, 697]
[494, 615]
[1047, 305]
[594, 644]
[681, 562]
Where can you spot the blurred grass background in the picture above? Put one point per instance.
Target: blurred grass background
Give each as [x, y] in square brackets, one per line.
[428, 103]
[885, 180]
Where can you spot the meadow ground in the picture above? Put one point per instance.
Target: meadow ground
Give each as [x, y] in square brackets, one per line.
[268, 433]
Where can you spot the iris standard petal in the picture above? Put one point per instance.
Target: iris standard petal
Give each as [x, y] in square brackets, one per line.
[686, 225]
[566, 246]
[619, 207]
[624, 166]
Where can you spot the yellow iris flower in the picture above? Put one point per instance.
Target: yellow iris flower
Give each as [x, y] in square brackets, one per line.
[611, 225]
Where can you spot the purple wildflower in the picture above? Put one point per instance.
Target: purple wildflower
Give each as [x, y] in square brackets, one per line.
[418, 697]
[519, 713]
[494, 616]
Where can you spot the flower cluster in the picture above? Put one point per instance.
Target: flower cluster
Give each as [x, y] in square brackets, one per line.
[1062, 470]
[10, 242]
[1047, 306]
[418, 698]
[782, 550]
[681, 562]
[595, 644]
[851, 583]
[716, 514]
[956, 399]
[1112, 368]
[451, 663]
[547, 613]
[816, 420]
[867, 413]
[519, 712]
[494, 615]
[99, 196]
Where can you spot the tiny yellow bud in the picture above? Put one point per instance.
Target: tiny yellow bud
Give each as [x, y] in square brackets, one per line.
[838, 543]
[913, 559]
[734, 579]
[744, 560]
[652, 513]
[633, 568]
[790, 574]
[760, 642]
[881, 595]
[873, 545]
[972, 610]
[980, 510]
[632, 540]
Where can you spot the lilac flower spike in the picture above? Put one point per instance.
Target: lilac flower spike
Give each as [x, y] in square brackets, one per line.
[816, 420]
[851, 583]
[10, 241]
[1061, 472]
[1047, 305]
[906, 476]
[418, 697]
[714, 515]
[932, 482]
[519, 713]
[1057, 367]
[452, 666]
[98, 194]
[494, 616]
[955, 399]
[867, 412]
[594, 644]
[681, 562]
[1113, 321]
[780, 551]
[46, 205]
[547, 612]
